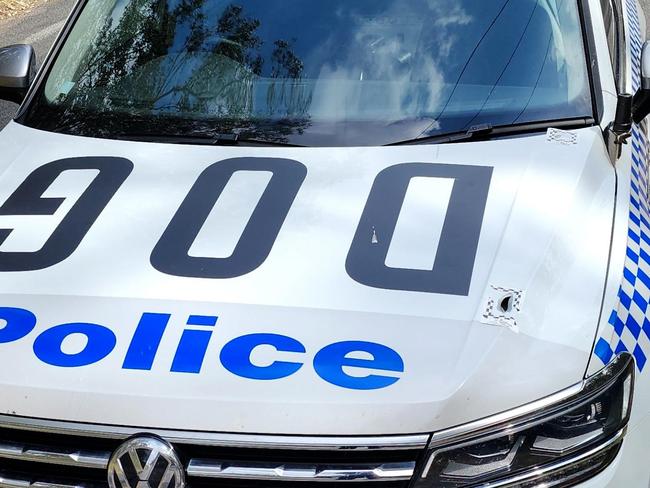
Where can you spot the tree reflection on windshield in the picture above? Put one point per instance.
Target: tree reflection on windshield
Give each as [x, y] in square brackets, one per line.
[318, 72]
[170, 62]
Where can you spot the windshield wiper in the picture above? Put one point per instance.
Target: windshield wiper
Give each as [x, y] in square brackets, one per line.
[231, 139]
[226, 139]
[489, 131]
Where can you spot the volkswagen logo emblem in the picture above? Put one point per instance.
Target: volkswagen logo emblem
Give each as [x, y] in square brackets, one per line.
[145, 462]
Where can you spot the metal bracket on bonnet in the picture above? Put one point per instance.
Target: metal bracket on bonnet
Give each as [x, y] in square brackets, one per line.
[620, 130]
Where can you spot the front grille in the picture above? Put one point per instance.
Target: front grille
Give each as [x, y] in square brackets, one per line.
[42, 454]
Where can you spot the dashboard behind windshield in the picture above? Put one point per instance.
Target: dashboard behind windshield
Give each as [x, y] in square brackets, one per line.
[314, 72]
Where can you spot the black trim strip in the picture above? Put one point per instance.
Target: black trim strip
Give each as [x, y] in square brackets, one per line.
[621, 47]
[592, 60]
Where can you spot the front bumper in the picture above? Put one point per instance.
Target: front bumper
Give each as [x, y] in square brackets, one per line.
[32, 452]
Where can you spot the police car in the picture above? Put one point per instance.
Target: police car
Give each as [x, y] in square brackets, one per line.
[327, 243]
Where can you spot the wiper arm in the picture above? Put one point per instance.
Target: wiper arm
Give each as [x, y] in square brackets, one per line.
[464, 135]
[226, 139]
[230, 139]
[488, 131]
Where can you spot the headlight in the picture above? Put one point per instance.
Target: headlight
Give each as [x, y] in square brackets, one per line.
[560, 440]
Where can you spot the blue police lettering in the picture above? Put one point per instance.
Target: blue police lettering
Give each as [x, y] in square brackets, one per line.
[19, 323]
[330, 360]
[236, 356]
[100, 343]
[332, 363]
[193, 345]
[146, 341]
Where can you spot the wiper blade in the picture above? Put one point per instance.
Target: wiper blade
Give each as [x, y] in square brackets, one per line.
[230, 139]
[227, 139]
[489, 131]
[473, 132]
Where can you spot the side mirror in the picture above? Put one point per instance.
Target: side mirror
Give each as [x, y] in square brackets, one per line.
[641, 103]
[17, 71]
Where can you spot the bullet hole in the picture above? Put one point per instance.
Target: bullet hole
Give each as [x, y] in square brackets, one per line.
[506, 303]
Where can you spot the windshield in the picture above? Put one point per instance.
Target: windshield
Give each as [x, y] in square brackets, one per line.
[314, 72]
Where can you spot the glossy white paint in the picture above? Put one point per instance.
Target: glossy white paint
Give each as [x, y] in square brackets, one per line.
[419, 226]
[546, 230]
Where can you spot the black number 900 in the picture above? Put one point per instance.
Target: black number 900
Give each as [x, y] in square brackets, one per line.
[366, 262]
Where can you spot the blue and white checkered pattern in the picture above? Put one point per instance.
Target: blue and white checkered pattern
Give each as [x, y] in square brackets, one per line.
[631, 319]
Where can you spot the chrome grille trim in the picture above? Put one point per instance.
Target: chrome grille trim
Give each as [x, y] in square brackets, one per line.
[79, 459]
[38, 453]
[206, 468]
[11, 483]
[209, 468]
[21, 483]
[215, 439]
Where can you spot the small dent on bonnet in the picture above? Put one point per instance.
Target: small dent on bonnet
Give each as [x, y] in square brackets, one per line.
[563, 137]
[503, 307]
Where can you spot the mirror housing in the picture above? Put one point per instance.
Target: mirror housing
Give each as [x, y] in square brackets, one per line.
[17, 71]
[641, 103]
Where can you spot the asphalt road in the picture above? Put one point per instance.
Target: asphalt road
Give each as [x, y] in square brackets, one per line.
[40, 27]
